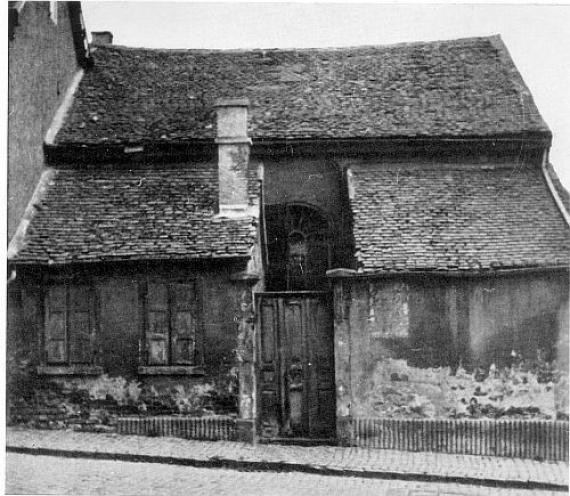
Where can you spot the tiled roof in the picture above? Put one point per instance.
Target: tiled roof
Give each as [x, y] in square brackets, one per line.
[455, 218]
[467, 87]
[90, 216]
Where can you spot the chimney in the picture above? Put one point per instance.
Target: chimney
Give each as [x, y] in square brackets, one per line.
[233, 155]
[101, 38]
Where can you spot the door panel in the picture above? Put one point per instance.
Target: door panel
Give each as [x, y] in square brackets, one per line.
[269, 370]
[296, 365]
[322, 368]
[295, 361]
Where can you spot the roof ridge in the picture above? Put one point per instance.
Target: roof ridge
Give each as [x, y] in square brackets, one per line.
[461, 87]
[465, 40]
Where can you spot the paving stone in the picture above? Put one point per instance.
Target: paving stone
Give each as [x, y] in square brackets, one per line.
[29, 474]
[349, 459]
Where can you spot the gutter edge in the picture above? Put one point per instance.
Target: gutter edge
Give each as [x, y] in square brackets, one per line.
[553, 191]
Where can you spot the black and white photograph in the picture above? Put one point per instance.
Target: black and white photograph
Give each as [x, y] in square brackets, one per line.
[269, 248]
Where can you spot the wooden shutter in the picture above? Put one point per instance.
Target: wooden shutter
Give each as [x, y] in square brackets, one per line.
[55, 335]
[183, 322]
[157, 324]
[270, 407]
[79, 324]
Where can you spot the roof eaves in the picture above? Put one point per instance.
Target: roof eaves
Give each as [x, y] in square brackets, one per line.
[65, 152]
[50, 263]
[382, 273]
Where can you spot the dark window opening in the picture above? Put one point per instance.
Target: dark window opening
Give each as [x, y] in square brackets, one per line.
[299, 248]
[69, 324]
[171, 324]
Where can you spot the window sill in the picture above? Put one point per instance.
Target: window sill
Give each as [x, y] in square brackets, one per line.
[172, 370]
[69, 370]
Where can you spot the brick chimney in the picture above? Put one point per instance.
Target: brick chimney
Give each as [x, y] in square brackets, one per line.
[101, 38]
[233, 155]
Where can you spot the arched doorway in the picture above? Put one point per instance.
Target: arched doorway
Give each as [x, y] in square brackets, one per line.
[295, 367]
[299, 248]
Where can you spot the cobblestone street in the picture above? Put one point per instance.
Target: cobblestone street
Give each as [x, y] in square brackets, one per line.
[31, 474]
[175, 450]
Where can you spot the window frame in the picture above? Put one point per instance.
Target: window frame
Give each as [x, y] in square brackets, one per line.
[171, 366]
[68, 365]
[283, 221]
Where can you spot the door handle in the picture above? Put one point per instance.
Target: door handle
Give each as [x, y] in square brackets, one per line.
[296, 377]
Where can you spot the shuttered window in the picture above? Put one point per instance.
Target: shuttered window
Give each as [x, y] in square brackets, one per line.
[68, 324]
[171, 323]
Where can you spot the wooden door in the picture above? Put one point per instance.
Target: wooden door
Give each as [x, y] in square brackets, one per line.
[296, 365]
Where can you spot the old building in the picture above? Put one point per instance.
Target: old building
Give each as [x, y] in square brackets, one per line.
[47, 50]
[47, 46]
[323, 235]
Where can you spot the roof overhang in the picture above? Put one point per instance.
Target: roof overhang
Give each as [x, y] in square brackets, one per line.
[132, 261]
[342, 273]
[130, 152]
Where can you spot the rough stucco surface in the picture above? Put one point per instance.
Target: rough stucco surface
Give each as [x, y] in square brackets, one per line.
[478, 348]
[224, 339]
[42, 62]
[453, 88]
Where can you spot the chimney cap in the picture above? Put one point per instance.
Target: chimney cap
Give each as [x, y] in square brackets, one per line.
[101, 37]
[232, 102]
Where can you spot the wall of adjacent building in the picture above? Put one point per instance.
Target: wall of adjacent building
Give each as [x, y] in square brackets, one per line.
[42, 62]
[452, 347]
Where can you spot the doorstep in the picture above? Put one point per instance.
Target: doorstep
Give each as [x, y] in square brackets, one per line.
[300, 441]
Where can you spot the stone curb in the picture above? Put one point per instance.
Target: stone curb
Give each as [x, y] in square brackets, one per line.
[266, 466]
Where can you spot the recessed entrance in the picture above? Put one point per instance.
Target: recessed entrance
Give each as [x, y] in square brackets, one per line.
[299, 248]
[296, 365]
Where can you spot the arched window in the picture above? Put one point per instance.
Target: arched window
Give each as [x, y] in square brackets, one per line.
[298, 248]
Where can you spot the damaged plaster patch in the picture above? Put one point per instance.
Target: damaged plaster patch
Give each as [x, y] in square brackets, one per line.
[398, 390]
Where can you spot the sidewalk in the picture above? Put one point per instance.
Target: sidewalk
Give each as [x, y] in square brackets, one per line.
[325, 460]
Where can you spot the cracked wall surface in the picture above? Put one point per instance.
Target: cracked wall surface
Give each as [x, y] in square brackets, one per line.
[452, 348]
